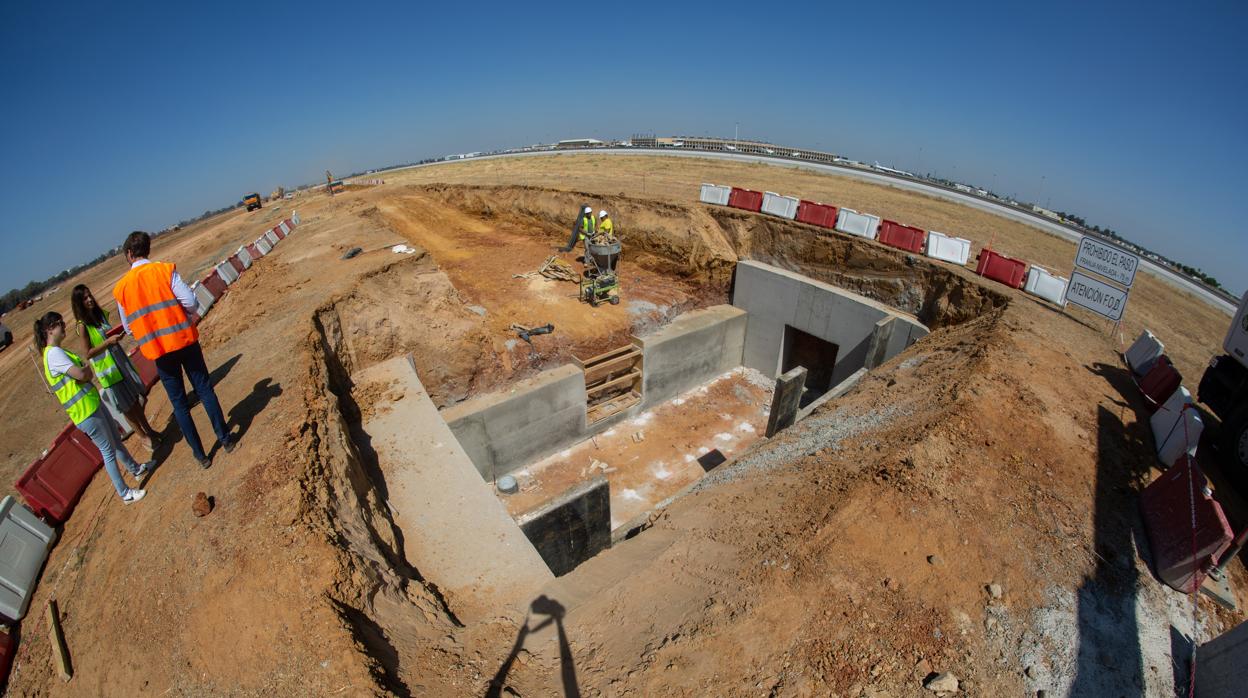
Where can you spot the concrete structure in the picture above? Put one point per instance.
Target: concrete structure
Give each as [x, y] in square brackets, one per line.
[24, 545]
[1221, 663]
[694, 348]
[503, 431]
[455, 531]
[572, 527]
[714, 194]
[785, 400]
[864, 332]
[779, 205]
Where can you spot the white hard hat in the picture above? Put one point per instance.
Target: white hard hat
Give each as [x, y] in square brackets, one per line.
[589, 209]
[602, 214]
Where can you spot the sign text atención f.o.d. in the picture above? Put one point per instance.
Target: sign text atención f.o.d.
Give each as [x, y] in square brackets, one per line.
[1109, 261]
[1096, 295]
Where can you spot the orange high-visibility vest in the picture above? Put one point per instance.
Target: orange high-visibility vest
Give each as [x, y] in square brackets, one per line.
[156, 318]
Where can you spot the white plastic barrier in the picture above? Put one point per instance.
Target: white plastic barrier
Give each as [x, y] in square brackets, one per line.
[26, 542]
[1042, 284]
[864, 225]
[777, 205]
[271, 237]
[285, 228]
[1176, 427]
[294, 217]
[262, 244]
[244, 256]
[711, 194]
[226, 271]
[204, 296]
[947, 248]
[1143, 352]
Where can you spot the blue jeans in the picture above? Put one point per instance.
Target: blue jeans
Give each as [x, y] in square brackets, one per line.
[170, 367]
[102, 431]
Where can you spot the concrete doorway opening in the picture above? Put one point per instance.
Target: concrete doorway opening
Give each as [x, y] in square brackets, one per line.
[817, 356]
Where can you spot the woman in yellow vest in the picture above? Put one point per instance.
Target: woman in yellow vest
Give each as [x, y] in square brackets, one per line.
[120, 384]
[70, 379]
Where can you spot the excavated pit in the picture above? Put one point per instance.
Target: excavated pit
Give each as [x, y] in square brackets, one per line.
[622, 409]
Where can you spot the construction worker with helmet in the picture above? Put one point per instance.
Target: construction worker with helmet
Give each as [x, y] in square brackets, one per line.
[161, 312]
[605, 226]
[582, 230]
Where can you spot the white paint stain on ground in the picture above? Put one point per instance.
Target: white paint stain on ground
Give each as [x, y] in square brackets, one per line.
[660, 470]
[723, 436]
[689, 458]
[630, 493]
[746, 427]
[678, 402]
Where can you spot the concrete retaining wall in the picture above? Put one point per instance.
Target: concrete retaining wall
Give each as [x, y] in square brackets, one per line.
[503, 431]
[572, 527]
[693, 349]
[867, 333]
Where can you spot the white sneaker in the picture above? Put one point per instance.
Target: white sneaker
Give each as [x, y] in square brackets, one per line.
[133, 495]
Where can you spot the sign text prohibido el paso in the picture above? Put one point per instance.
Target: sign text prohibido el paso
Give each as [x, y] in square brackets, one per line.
[1109, 261]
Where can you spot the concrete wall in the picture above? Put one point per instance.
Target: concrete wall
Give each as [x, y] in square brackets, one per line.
[1220, 664]
[572, 527]
[454, 529]
[696, 347]
[866, 332]
[503, 431]
[506, 430]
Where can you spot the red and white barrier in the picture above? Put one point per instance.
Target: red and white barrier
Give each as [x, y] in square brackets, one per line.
[1170, 505]
[1042, 284]
[863, 225]
[263, 245]
[998, 267]
[204, 296]
[903, 237]
[777, 205]
[1177, 427]
[746, 199]
[1143, 353]
[948, 249]
[244, 256]
[271, 237]
[816, 213]
[714, 194]
[226, 271]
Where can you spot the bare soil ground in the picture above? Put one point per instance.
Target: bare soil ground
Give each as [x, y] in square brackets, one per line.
[851, 555]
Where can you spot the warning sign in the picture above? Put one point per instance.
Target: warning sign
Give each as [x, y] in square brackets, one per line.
[1096, 295]
[1113, 263]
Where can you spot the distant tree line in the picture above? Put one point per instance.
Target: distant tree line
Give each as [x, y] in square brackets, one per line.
[33, 289]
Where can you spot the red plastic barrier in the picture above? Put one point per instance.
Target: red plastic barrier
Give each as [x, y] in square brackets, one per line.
[146, 368]
[998, 267]
[8, 649]
[1160, 382]
[746, 199]
[237, 264]
[816, 214]
[277, 230]
[215, 284]
[52, 484]
[903, 237]
[1166, 505]
[254, 252]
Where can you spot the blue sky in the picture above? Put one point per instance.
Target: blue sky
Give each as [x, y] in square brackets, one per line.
[114, 119]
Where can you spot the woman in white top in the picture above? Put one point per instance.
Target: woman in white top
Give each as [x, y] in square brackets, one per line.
[69, 377]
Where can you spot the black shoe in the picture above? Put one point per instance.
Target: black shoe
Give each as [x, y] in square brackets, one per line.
[205, 462]
[228, 445]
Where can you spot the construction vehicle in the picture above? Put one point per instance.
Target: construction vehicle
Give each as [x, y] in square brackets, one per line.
[252, 201]
[1224, 390]
[599, 282]
[6, 337]
[332, 185]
